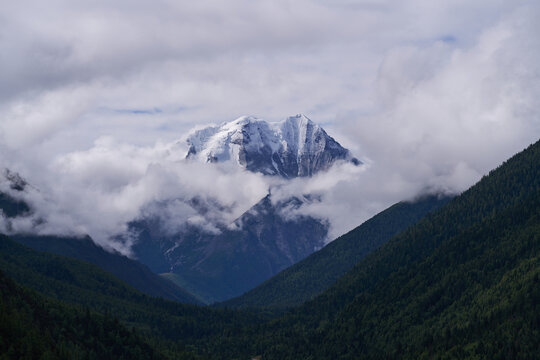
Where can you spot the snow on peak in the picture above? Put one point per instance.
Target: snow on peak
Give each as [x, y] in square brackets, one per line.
[293, 147]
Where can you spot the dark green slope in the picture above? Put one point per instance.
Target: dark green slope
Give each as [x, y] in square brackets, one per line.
[66, 279]
[487, 304]
[311, 276]
[81, 283]
[462, 283]
[127, 270]
[33, 327]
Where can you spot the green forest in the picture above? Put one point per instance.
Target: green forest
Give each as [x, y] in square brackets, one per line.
[35, 327]
[461, 282]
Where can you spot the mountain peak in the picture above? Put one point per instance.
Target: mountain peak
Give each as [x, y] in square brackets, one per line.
[290, 148]
[241, 121]
[16, 182]
[299, 118]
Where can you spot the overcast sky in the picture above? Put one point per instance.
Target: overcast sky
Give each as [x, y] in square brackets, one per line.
[94, 94]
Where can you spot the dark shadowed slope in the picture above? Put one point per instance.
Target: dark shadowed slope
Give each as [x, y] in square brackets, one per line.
[83, 284]
[127, 270]
[311, 276]
[34, 327]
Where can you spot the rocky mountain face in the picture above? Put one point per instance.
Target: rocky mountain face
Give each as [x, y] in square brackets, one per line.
[11, 183]
[293, 147]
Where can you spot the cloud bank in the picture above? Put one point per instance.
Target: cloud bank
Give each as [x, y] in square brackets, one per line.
[95, 95]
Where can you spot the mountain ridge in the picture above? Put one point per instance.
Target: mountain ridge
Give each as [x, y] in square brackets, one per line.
[128, 270]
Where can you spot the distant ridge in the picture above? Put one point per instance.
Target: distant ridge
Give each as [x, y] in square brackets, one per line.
[127, 270]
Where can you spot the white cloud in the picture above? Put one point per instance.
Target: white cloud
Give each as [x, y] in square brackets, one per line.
[431, 95]
[100, 190]
[443, 117]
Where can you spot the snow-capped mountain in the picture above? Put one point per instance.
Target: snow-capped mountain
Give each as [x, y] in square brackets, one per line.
[290, 148]
[265, 239]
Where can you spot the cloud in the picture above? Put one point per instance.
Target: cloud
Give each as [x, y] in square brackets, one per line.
[218, 61]
[430, 96]
[443, 116]
[476, 105]
[100, 190]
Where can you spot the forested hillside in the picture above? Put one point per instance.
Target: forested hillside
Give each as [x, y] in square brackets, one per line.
[33, 327]
[462, 283]
[83, 284]
[311, 276]
[127, 270]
